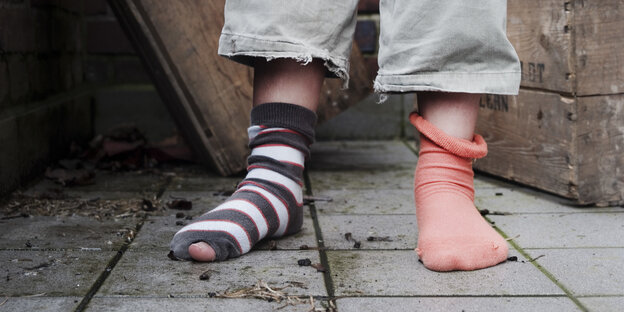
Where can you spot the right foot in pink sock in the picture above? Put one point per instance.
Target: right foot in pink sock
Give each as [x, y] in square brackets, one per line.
[452, 234]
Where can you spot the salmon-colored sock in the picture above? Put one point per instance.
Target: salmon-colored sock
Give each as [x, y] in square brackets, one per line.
[452, 234]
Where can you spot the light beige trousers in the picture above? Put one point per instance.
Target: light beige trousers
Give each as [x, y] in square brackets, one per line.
[424, 45]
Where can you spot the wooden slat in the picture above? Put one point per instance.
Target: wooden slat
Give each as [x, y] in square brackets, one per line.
[599, 33]
[537, 30]
[209, 97]
[601, 149]
[530, 140]
[177, 43]
[574, 47]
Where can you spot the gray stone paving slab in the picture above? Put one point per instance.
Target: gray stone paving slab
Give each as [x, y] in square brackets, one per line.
[345, 155]
[366, 202]
[603, 303]
[563, 230]
[201, 201]
[157, 232]
[517, 200]
[585, 271]
[63, 233]
[456, 304]
[92, 195]
[398, 273]
[522, 200]
[193, 304]
[51, 273]
[108, 185]
[151, 273]
[400, 230]
[482, 181]
[39, 303]
[391, 179]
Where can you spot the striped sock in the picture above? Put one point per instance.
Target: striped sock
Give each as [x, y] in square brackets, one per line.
[269, 201]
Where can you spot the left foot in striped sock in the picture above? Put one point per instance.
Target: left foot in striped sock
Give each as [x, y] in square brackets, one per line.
[269, 201]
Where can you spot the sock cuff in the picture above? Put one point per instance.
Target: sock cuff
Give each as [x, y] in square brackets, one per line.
[477, 148]
[290, 116]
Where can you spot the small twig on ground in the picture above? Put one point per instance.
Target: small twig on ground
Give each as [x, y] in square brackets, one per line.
[35, 295]
[4, 301]
[261, 290]
[485, 212]
[349, 237]
[512, 238]
[531, 260]
[379, 239]
[319, 267]
[206, 275]
[272, 245]
[311, 199]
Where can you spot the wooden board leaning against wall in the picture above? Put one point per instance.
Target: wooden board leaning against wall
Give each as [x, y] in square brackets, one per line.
[563, 133]
[208, 96]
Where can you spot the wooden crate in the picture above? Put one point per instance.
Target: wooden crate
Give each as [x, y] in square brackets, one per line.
[563, 133]
[208, 96]
[570, 47]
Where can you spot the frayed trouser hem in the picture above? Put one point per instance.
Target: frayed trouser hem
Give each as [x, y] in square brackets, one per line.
[504, 83]
[244, 50]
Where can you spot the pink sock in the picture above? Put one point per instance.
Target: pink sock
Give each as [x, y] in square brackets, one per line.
[452, 234]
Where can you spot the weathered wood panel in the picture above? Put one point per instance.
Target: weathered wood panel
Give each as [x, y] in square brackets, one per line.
[600, 144]
[539, 32]
[530, 140]
[208, 96]
[574, 47]
[599, 33]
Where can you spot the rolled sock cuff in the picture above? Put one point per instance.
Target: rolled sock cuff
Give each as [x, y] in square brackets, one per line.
[290, 116]
[477, 148]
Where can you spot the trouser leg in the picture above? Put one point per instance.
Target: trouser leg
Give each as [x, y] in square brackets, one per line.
[446, 45]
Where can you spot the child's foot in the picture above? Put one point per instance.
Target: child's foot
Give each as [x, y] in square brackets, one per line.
[452, 235]
[269, 201]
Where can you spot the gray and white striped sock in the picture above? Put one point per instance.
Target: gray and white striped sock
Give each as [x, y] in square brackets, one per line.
[269, 201]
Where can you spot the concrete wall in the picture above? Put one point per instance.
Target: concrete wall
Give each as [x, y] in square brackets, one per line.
[44, 104]
[67, 72]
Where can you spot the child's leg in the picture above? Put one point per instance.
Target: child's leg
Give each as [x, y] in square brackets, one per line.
[452, 235]
[453, 113]
[457, 50]
[268, 201]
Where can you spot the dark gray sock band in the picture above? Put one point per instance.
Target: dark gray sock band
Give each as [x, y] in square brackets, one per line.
[290, 116]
